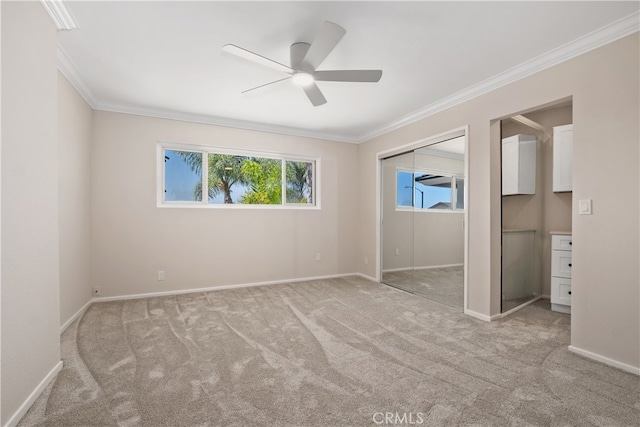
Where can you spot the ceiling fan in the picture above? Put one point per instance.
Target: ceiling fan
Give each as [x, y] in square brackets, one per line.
[305, 59]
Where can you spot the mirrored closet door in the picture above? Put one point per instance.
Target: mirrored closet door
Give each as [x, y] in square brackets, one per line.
[423, 194]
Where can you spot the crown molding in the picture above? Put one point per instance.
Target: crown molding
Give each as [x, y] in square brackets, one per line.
[60, 14]
[605, 35]
[219, 121]
[66, 67]
[598, 38]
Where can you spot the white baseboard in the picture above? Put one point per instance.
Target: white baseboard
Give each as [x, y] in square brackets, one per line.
[75, 316]
[393, 270]
[603, 359]
[479, 316]
[15, 418]
[364, 276]
[428, 267]
[219, 288]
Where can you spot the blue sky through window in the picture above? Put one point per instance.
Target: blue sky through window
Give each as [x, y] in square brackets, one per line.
[425, 196]
[180, 180]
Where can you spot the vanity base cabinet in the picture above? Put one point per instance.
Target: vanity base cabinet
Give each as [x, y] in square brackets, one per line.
[561, 272]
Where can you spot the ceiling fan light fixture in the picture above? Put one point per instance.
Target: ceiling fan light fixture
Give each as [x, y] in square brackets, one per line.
[302, 79]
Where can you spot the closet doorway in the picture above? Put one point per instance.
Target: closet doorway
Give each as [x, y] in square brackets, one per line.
[536, 207]
[423, 212]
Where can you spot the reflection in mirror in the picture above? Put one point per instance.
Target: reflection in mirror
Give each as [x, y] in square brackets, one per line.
[397, 227]
[423, 216]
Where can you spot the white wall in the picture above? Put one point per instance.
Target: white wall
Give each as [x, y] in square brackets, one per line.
[30, 274]
[132, 238]
[74, 162]
[604, 87]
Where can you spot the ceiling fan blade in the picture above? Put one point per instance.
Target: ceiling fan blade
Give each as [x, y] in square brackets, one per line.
[315, 96]
[365, 76]
[255, 58]
[298, 51]
[266, 84]
[328, 37]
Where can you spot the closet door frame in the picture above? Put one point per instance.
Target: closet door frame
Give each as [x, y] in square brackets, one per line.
[434, 139]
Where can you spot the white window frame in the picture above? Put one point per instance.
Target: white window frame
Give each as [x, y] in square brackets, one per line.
[452, 175]
[162, 146]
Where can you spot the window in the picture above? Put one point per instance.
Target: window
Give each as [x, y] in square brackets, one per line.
[429, 190]
[234, 178]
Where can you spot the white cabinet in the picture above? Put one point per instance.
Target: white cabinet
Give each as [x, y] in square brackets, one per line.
[562, 158]
[561, 264]
[519, 165]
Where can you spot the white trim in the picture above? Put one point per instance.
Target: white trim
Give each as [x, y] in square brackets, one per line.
[480, 316]
[606, 360]
[393, 270]
[59, 14]
[162, 146]
[462, 131]
[71, 74]
[465, 273]
[17, 416]
[367, 277]
[428, 267]
[220, 121]
[75, 316]
[220, 288]
[598, 38]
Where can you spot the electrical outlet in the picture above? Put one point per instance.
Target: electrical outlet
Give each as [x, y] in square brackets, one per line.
[318, 256]
[160, 275]
[366, 260]
[397, 251]
[96, 291]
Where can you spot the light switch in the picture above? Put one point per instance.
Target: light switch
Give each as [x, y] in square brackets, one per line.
[584, 207]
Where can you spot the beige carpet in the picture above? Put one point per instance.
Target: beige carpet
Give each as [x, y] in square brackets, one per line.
[325, 353]
[444, 284]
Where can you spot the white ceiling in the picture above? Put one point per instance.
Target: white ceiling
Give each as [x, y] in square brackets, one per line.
[165, 59]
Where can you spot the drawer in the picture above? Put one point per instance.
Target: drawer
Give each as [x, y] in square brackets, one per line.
[561, 242]
[560, 291]
[561, 264]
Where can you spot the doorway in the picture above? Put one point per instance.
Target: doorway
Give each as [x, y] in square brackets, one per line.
[423, 212]
[534, 208]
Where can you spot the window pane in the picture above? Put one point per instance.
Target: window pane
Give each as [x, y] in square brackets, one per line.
[405, 189]
[433, 191]
[182, 176]
[226, 180]
[459, 193]
[300, 182]
[262, 179]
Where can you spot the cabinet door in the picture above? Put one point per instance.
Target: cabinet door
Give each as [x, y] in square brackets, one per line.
[562, 158]
[560, 291]
[519, 165]
[509, 167]
[561, 264]
[563, 242]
